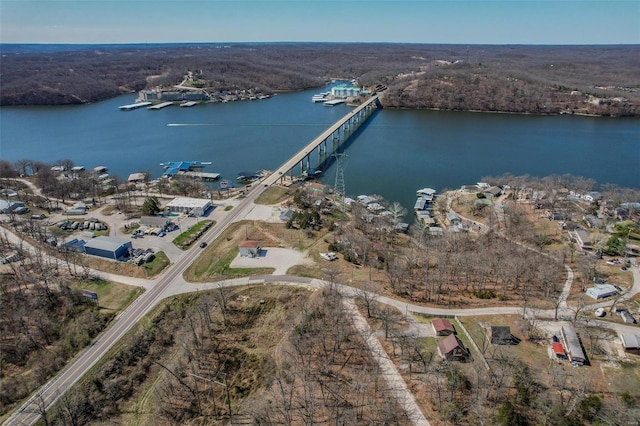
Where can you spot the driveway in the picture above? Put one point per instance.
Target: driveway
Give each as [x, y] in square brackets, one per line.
[272, 257]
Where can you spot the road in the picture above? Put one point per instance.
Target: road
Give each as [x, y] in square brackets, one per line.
[28, 413]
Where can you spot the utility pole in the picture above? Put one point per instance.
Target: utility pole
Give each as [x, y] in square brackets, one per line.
[339, 185]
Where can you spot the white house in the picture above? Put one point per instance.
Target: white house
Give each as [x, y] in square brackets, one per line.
[601, 291]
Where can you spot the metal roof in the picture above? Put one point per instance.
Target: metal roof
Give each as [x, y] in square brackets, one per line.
[106, 243]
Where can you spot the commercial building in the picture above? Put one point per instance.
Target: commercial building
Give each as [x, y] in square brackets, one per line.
[108, 247]
[192, 206]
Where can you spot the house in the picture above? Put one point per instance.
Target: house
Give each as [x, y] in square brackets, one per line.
[443, 327]
[572, 345]
[630, 342]
[582, 238]
[453, 218]
[601, 291]
[501, 335]
[108, 247]
[10, 206]
[249, 248]
[452, 349]
[286, 215]
[137, 177]
[493, 191]
[592, 196]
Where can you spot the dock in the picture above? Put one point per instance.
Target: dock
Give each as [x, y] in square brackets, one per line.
[333, 102]
[188, 104]
[160, 106]
[200, 175]
[134, 106]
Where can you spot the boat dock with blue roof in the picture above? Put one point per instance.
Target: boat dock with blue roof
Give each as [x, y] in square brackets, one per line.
[188, 168]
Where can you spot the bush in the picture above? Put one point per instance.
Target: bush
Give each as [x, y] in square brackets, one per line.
[484, 294]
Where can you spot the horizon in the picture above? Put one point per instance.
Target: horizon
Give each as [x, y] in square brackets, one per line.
[455, 22]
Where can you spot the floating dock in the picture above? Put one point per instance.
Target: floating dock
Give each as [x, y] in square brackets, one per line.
[200, 175]
[333, 102]
[188, 104]
[134, 106]
[160, 106]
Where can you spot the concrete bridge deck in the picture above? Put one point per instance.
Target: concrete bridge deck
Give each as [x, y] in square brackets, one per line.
[300, 156]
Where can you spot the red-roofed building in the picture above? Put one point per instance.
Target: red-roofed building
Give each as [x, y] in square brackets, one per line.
[559, 350]
[443, 327]
[452, 349]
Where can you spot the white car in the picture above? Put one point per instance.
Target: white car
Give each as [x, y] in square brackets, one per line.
[600, 312]
[329, 256]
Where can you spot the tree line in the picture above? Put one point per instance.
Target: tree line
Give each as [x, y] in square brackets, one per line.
[534, 79]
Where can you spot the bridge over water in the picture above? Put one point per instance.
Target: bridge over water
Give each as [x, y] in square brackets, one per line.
[326, 143]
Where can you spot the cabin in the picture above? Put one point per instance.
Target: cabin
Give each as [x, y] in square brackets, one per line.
[443, 327]
[452, 349]
[501, 335]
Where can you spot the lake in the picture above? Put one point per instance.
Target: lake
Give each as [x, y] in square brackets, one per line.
[395, 153]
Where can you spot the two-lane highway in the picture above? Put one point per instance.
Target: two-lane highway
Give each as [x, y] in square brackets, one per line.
[30, 411]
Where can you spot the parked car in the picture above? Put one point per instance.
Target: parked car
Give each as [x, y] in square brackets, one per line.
[555, 339]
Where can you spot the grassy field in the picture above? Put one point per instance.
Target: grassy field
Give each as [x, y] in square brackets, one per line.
[190, 236]
[158, 264]
[112, 297]
[214, 263]
[273, 195]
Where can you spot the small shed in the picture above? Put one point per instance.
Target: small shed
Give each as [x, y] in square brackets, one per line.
[249, 248]
[558, 350]
[453, 218]
[286, 215]
[501, 335]
[630, 342]
[452, 349]
[443, 327]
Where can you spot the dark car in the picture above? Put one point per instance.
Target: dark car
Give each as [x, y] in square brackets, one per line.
[555, 339]
[203, 244]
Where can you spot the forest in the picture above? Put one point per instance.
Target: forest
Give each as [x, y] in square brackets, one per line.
[594, 80]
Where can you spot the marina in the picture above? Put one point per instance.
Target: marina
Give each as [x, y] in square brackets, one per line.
[333, 102]
[188, 168]
[160, 106]
[137, 105]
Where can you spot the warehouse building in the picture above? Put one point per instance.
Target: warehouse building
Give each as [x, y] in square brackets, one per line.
[192, 206]
[108, 247]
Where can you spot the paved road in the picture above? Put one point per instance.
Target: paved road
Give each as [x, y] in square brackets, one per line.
[27, 414]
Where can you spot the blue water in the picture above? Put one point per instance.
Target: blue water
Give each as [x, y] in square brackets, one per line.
[397, 152]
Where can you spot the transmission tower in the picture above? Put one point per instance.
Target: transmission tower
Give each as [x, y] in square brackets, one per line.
[339, 186]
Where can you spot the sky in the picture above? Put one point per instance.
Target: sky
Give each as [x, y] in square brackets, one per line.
[392, 21]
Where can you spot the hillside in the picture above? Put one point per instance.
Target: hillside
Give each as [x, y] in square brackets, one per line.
[596, 80]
